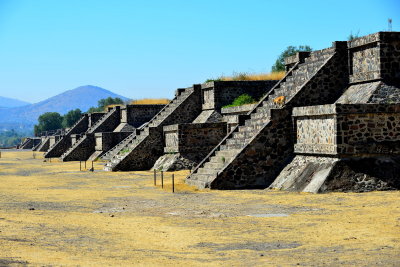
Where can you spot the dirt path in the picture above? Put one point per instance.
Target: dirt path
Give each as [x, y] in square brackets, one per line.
[54, 214]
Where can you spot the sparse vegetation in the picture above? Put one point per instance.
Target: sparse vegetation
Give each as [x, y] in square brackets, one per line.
[242, 100]
[245, 76]
[150, 101]
[352, 36]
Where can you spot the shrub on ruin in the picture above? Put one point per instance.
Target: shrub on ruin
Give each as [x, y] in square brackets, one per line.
[243, 99]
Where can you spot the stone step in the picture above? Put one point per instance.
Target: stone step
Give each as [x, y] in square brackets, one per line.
[215, 165]
[244, 134]
[219, 160]
[207, 171]
[232, 146]
[199, 180]
[226, 153]
[237, 140]
[255, 124]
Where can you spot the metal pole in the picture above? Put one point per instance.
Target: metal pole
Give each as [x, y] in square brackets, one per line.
[162, 179]
[173, 183]
[155, 177]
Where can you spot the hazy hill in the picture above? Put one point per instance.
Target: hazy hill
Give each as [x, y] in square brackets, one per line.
[6, 102]
[82, 97]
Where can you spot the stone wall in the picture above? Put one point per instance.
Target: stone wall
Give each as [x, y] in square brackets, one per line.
[59, 146]
[136, 115]
[187, 144]
[217, 94]
[75, 137]
[375, 56]
[94, 117]
[146, 152]
[106, 141]
[193, 137]
[83, 151]
[348, 129]
[54, 139]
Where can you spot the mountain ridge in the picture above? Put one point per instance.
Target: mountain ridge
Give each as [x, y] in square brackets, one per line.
[7, 102]
[82, 97]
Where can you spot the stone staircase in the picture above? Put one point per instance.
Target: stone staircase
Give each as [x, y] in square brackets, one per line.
[59, 147]
[109, 154]
[44, 145]
[84, 146]
[142, 148]
[107, 122]
[254, 152]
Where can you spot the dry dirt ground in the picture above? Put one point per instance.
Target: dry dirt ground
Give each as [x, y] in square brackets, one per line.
[52, 214]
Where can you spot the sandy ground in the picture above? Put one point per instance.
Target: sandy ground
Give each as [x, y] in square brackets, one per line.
[52, 214]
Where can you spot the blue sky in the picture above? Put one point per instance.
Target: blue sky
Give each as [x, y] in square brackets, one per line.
[143, 49]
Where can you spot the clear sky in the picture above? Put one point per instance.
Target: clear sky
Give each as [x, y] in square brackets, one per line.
[148, 48]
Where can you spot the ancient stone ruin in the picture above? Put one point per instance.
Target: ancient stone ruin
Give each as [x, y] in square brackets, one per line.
[351, 142]
[331, 124]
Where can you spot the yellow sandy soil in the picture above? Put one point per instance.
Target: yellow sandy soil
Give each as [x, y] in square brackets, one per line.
[54, 214]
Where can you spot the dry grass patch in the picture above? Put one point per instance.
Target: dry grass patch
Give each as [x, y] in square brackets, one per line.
[150, 101]
[245, 76]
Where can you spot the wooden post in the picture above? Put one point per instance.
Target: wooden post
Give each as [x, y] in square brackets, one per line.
[0, 154]
[173, 183]
[85, 164]
[155, 177]
[80, 165]
[162, 179]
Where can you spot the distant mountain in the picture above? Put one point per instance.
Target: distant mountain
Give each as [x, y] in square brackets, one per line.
[82, 97]
[6, 102]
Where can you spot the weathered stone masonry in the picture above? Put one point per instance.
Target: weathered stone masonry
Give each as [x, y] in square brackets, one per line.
[214, 95]
[187, 144]
[353, 145]
[256, 151]
[357, 149]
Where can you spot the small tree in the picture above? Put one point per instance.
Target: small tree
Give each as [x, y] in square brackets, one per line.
[289, 51]
[48, 121]
[71, 117]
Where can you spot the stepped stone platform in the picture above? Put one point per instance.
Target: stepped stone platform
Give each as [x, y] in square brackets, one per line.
[203, 106]
[344, 147]
[30, 143]
[60, 144]
[118, 119]
[141, 149]
[186, 144]
[366, 69]
[255, 151]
